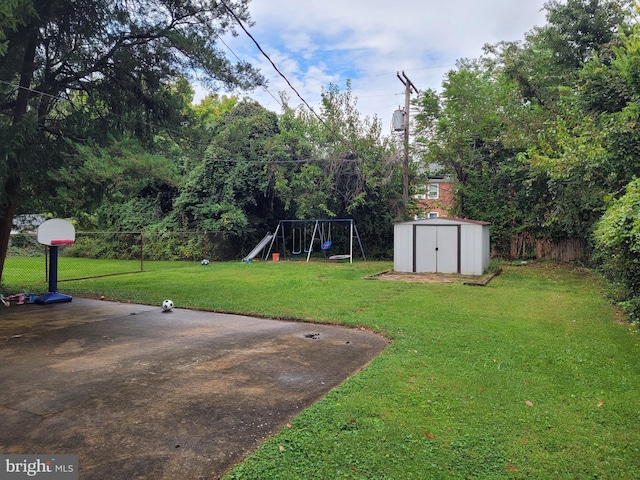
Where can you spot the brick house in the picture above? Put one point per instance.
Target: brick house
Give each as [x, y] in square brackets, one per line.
[438, 198]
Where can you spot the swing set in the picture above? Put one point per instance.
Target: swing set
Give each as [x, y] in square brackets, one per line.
[302, 235]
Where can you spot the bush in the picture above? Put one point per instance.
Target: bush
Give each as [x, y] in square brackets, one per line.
[24, 245]
[617, 249]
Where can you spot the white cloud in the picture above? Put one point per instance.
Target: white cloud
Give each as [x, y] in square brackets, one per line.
[368, 41]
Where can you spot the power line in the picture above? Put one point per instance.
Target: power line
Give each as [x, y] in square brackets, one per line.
[240, 60]
[272, 162]
[382, 74]
[257, 44]
[232, 13]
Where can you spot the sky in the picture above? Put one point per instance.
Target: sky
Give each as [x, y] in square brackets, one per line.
[315, 43]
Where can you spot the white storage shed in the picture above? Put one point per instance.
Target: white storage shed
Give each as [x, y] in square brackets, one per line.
[441, 245]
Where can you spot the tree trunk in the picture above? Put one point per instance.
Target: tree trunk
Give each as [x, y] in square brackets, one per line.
[8, 210]
[12, 184]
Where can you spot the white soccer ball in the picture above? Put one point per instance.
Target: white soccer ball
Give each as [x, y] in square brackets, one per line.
[204, 262]
[167, 305]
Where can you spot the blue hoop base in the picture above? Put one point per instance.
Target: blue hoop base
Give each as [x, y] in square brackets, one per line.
[53, 297]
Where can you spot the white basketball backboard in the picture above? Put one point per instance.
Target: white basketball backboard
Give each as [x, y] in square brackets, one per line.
[56, 232]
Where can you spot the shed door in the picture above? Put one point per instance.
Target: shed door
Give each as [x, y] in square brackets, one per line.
[437, 248]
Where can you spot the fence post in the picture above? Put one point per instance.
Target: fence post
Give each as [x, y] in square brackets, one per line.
[204, 244]
[46, 263]
[142, 251]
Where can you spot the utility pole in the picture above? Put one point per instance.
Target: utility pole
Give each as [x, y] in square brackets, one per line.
[408, 87]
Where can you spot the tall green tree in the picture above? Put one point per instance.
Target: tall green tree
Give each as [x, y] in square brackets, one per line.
[551, 56]
[470, 132]
[13, 15]
[119, 54]
[586, 144]
[563, 82]
[337, 164]
[227, 191]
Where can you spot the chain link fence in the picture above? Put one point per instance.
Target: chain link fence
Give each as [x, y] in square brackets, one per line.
[96, 254]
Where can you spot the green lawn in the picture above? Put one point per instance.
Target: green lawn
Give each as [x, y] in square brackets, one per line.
[528, 377]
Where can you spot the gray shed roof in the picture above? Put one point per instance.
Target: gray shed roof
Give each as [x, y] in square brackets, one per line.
[440, 219]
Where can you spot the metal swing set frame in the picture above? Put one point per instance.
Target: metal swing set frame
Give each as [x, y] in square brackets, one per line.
[298, 232]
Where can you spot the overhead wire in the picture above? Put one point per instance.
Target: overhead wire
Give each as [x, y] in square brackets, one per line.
[257, 44]
[241, 24]
[240, 60]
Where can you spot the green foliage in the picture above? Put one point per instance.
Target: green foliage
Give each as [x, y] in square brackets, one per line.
[572, 154]
[579, 28]
[470, 132]
[537, 134]
[212, 107]
[133, 215]
[617, 249]
[168, 246]
[552, 56]
[95, 174]
[13, 15]
[590, 148]
[306, 194]
[226, 191]
[24, 245]
[116, 246]
[337, 166]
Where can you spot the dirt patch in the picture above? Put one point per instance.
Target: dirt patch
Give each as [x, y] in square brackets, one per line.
[423, 277]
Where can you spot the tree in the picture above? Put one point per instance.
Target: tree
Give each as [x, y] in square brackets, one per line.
[578, 29]
[338, 165]
[212, 107]
[471, 131]
[227, 190]
[13, 15]
[118, 54]
[589, 145]
[552, 56]
[567, 94]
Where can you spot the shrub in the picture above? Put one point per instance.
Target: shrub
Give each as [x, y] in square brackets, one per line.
[617, 249]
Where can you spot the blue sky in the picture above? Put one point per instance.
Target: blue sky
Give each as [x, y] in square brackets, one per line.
[317, 42]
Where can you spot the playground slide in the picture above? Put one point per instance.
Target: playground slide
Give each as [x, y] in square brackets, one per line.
[263, 243]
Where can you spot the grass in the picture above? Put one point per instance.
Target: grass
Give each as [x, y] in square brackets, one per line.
[529, 377]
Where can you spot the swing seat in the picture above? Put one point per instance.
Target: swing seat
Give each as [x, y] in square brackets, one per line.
[326, 245]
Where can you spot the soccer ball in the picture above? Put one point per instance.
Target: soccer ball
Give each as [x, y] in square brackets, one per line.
[204, 262]
[167, 305]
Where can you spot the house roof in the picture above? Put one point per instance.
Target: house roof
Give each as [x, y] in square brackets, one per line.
[27, 223]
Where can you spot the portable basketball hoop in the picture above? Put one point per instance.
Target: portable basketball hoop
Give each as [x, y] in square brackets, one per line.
[54, 233]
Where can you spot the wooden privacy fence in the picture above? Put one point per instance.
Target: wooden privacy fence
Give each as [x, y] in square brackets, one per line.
[526, 246]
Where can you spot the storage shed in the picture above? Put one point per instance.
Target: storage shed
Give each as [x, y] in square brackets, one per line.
[441, 245]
